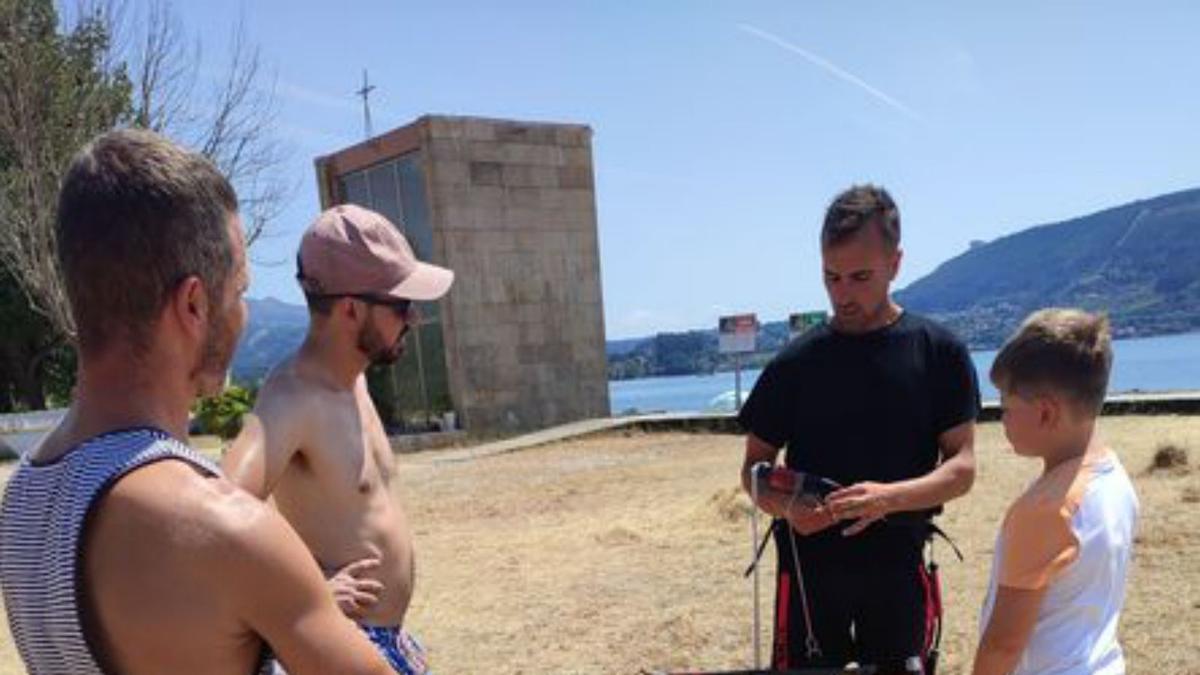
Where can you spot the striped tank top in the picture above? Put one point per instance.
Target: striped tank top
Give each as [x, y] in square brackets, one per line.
[41, 521]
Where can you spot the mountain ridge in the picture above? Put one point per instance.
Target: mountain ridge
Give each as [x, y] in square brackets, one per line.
[1139, 262]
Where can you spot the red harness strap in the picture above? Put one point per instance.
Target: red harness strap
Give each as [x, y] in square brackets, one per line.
[780, 658]
[931, 609]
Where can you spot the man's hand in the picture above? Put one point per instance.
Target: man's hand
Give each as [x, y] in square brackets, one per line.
[270, 579]
[353, 593]
[807, 517]
[773, 503]
[865, 503]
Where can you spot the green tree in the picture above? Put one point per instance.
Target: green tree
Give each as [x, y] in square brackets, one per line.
[56, 92]
[63, 82]
[26, 352]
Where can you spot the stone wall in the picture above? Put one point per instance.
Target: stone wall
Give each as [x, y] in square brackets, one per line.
[514, 214]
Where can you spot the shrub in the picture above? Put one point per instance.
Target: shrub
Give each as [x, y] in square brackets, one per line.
[1169, 457]
[221, 415]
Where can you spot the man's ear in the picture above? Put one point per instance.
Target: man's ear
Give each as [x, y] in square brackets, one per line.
[896, 260]
[350, 308]
[189, 305]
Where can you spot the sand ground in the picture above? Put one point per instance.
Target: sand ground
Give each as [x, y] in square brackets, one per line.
[623, 552]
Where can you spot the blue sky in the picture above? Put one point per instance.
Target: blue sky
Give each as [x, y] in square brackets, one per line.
[722, 129]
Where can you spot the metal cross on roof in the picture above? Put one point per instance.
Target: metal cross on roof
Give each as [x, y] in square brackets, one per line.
[365, 92]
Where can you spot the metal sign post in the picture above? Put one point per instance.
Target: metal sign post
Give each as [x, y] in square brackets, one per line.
[737, 335]
[737, 381]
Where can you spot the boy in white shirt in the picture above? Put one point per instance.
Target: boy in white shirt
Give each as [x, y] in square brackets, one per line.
[1061, 558]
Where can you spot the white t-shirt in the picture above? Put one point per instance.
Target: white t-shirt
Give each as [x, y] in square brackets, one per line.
[1071, 532]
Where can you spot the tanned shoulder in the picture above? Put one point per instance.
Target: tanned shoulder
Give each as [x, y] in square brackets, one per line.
[288, 403]
[176, 507]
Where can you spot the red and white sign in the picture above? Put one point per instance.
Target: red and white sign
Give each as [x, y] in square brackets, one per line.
[737, 334]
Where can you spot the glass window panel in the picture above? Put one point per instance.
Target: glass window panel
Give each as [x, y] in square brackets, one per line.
[433, 353]
[382, 388]
[354, 189]
[431, 311]
[410, 399]
[385, 197]
[416, 208]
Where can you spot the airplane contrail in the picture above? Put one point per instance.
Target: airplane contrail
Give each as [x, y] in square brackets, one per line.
[831, 68]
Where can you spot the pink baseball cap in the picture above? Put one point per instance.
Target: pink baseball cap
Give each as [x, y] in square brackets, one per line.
[349, 250]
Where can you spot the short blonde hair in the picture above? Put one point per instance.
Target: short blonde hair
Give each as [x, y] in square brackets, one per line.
[1068, 351]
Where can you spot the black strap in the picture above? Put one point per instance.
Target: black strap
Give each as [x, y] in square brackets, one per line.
[761, 547]
[859, 670]
[935, 531]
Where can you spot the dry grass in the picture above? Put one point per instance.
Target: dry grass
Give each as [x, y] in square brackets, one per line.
[613, 554]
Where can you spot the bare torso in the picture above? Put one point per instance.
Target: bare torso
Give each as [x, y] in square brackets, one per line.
[335, 488]
[154, 609]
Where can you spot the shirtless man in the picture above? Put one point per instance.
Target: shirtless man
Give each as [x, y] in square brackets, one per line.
[121, 549]
[315, 442]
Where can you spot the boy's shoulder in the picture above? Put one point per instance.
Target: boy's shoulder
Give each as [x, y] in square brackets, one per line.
[1066, 485]
[1059, 490]
[1045, 526]
[1039, 539]
[1108, 500]
[1047, 504]
[1099, 479]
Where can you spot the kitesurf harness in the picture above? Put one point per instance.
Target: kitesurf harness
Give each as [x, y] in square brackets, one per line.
[814, 490]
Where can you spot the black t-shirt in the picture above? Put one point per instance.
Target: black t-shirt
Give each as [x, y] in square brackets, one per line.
[866, 407]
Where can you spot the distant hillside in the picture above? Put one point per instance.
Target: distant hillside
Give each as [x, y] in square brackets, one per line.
[273, 331]
[1139, 262]
[686, 353]
[623, 346]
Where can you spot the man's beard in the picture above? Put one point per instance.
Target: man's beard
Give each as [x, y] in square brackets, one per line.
[379, 352]
[862, 315]
[216, 354]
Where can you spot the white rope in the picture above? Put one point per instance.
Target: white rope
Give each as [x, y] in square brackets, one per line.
[811, 647]
[754, 473]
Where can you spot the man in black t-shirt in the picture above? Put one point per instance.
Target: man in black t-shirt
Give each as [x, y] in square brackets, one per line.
[881, 401]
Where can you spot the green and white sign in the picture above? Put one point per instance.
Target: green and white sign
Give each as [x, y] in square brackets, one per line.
[802, 322]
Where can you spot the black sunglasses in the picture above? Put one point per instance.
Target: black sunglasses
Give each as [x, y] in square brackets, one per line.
[403, 307]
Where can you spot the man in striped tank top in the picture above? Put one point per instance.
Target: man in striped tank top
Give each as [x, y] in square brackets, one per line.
[122, 550]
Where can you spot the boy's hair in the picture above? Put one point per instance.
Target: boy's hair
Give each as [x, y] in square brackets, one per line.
[859, 207]
[1067, 351]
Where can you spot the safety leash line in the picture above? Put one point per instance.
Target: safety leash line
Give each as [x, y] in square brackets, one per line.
[812, 647]
[754, 565]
